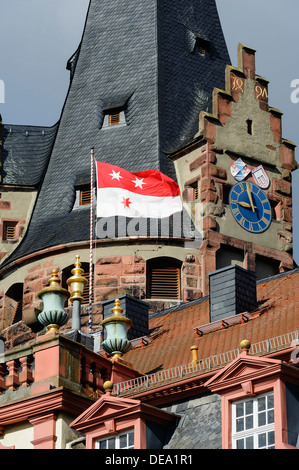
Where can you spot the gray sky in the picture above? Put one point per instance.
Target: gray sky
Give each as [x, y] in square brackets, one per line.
[37, 37]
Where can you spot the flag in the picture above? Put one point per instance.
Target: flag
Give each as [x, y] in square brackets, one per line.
[149, 194]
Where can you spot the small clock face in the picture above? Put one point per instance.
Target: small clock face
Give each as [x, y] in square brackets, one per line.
[250, 207]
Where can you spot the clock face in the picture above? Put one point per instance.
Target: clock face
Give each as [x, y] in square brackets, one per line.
[250, 207]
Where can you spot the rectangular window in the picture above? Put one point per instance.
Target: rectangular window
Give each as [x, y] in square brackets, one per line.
[85, 196]
[120, 441]
[9, 230]
[114, 118]
[253, 423]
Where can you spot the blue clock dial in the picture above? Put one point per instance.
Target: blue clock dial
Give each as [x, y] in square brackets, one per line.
[250, 207]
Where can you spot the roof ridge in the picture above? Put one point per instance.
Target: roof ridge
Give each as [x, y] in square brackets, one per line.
[277, 276]
[176, 308]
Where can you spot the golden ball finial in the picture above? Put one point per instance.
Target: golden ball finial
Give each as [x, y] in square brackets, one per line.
[108, 386]
[245, 344]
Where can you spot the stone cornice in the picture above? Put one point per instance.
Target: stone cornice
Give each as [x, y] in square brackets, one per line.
[55, 400]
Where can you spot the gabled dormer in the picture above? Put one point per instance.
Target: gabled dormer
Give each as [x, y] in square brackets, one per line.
[123, 423]
[257, 398]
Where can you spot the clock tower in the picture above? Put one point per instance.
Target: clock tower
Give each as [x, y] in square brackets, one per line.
[236, 177]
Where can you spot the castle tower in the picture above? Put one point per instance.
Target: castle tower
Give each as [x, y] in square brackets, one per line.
[140, 77]
[151, 87]
[237, 177]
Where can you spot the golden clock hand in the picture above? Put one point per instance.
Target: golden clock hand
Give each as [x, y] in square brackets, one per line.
[245, 204]
[250, 199]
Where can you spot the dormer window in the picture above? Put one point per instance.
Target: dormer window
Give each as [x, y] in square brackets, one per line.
[119, 441]
[85, 195]
[253, 423]
[201, 46]
[113, 111]
[114, 117]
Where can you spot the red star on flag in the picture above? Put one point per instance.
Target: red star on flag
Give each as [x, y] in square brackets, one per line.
[146, 194]
[126, 202]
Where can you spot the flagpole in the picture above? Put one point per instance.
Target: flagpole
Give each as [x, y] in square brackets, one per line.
[91, 240]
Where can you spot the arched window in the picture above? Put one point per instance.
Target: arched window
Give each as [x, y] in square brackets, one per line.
[14, 302]
[164, 278]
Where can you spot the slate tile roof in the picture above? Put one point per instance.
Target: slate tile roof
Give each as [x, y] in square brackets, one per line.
[172, 331]
[25, 153]
[141, 55]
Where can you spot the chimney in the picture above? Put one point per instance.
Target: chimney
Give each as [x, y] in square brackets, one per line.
[232, 291]
[134, 309]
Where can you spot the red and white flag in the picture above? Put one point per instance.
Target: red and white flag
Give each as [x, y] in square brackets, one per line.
[149, 194]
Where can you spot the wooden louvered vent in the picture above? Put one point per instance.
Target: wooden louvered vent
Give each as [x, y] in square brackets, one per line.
[165, 283]
[114, 118]
[9, 231]
[85, 196]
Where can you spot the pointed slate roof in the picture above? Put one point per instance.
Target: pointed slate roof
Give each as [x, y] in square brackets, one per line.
[25, 153]
[142, 56]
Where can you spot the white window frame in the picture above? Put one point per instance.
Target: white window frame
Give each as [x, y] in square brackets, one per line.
[257, 431]
[117, 440]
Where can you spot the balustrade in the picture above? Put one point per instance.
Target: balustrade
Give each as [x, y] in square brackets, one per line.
[16, 373]
[92, 374]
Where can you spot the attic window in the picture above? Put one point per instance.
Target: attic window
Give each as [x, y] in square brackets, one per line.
[9, 231]
[201, 46]
[164, 279]
[85, 196]
[114, 117]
